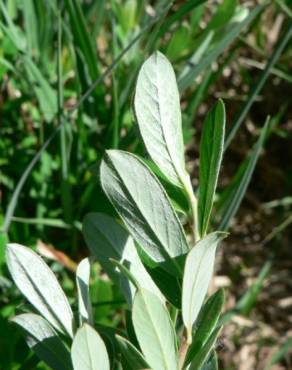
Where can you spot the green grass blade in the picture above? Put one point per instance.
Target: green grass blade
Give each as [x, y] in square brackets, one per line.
[51, 222]
[258, 86]
[223, 14]
[10, 29]
[82, 37]
[178, 15]
[14, 199]
[233, 202]
[247, 302]
[31, 27]
[284, 349]
[66, 194]
[188, 78]
[99, 7]
[45, 94]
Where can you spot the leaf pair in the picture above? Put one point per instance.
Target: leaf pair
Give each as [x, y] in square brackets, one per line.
[40, 286]
[132, 188]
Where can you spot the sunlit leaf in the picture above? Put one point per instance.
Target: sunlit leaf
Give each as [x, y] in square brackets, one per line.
[197, 276]
[144, 207]
[88, 350]
[42, 338]
[82, 280]
[154, 331]
[157, 108]
[40, 286]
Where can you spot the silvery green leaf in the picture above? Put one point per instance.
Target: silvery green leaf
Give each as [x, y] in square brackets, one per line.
[133, 358]
[39, 285]
[108, 240]
[197, 276]
[211, 150]
[157, 109]
[43, 340]
[144, 207]
[88, 350]
[154, 331]
[82, 281]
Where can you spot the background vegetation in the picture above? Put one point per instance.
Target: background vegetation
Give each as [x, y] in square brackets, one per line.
[68, 71]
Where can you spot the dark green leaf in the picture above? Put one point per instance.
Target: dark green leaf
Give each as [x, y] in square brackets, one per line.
[202, 356]
[211, 150]
[238, 189]
[108, 241]
[42, 338]
[133, 358]
[205, 324]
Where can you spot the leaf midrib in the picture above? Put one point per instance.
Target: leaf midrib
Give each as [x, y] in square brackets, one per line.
[192, 289]
[42, 297]
[156, 333]
[210, 185]
[173, 161]
[164, 251]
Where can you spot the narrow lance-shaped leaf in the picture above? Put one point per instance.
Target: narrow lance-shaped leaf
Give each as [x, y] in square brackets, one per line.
[211, 150]
[212, 362]
[144, 207]
[197, 276]
[88, 350]
[40, 286]
[42, 338]
[157, 109]
[82, 280]
[205, 324]
[154, 331]
[203, 355]
[108, 240]
[133, 358]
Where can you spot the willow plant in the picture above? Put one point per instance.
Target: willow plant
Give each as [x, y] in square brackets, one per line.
[163, 271]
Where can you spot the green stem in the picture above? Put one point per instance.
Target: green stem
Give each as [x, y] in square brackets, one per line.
[194, 206]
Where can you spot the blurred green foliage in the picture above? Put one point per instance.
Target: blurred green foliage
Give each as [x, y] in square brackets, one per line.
[67, 72]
